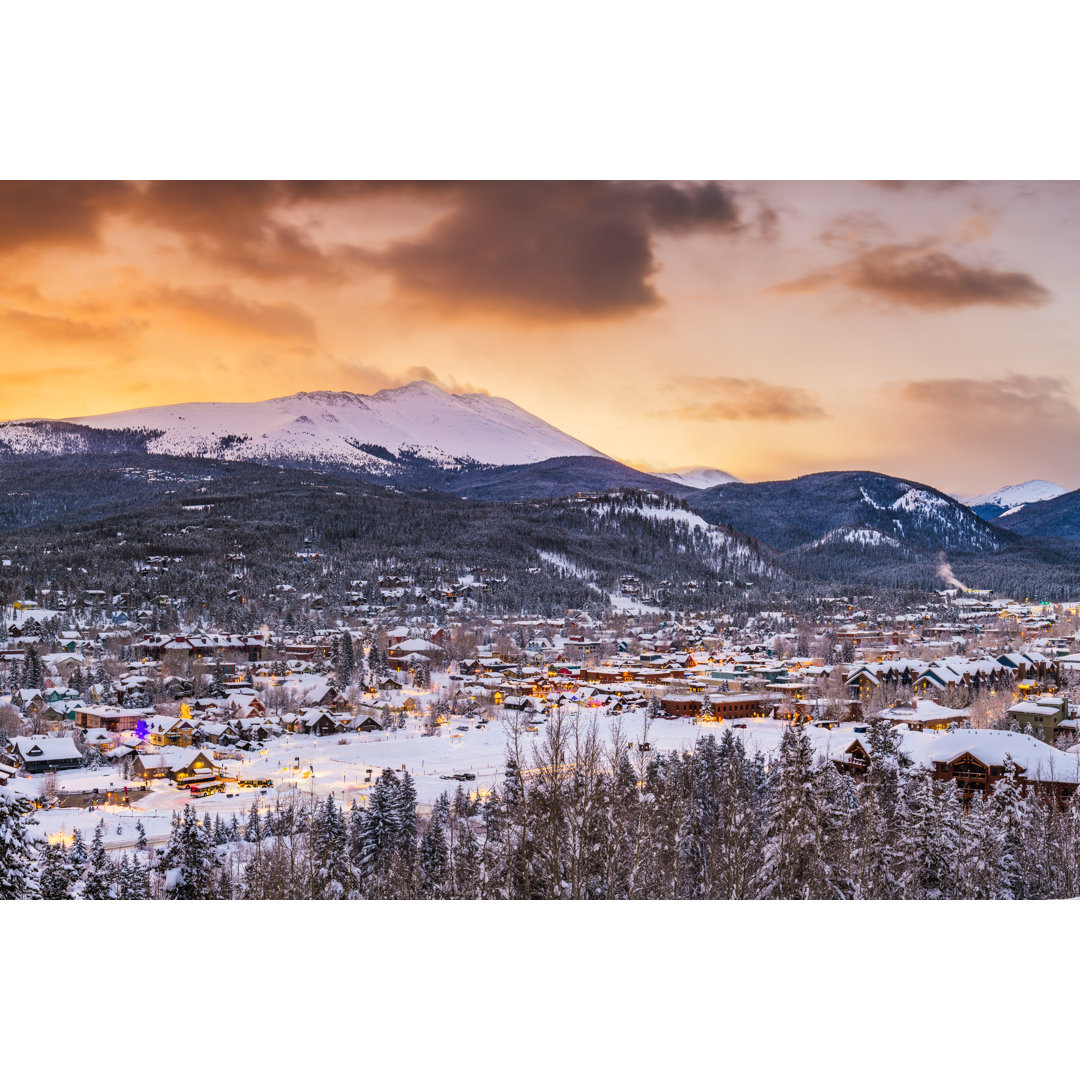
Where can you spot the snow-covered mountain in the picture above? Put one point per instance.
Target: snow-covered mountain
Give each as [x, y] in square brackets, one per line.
[698, 477]
[418, 423]
[1008, 500]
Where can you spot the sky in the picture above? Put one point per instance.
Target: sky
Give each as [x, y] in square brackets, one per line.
[926, 329]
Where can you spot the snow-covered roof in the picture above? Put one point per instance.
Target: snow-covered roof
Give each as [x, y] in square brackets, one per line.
[40, 748]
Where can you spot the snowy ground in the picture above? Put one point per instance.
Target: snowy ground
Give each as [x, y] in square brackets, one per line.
[337, 769]
[342, 769]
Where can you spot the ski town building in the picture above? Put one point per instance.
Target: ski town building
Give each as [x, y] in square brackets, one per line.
[38, 754]
[976, 759]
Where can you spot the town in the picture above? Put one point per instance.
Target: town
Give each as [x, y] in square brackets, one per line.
[400, 751]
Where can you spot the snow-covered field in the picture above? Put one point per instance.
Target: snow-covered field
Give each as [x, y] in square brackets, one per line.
[342, 770]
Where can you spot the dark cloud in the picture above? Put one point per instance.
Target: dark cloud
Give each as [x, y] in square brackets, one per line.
[222, 307]
[1013, 397]
[238, 223]
[724, 397]
[553, 249]
[57, 212]
[923, 275]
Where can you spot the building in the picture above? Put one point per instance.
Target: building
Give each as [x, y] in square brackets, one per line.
[109, 717]
[922, 713]
[38, 754]
[1047, 716]
[720, 707]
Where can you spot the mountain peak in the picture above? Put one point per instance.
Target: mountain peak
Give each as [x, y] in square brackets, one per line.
[381, 433]
[698, 476]
[1010, 499]
[416, 388]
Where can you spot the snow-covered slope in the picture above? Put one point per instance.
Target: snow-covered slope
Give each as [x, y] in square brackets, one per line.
[1008, 500]
[698, 477]
[418, 420]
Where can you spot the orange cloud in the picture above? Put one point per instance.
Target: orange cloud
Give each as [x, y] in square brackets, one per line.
[724, 397]
[220, 307]
[922, 275]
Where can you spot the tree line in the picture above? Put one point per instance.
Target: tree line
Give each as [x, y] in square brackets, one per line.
[586, 816]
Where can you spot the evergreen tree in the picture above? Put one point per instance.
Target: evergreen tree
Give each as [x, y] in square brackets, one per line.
[56, 876]
[18, 850]
[434, 860]
[379, 836]
[1009, 810]
[217, 685]
[97, 884]
[791, 843]
[346, 660]
[33, 677]
[329, 846]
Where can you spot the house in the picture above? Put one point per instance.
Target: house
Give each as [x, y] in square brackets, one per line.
[31, 702]
[322, 693]
[320, 722]
[170, 730]
[1047, 716]
[109, 718]
[183, 766]
[101, 740]
[922, 713]
[219, 734]
[38, 754]
[411, 651]
[976, 759]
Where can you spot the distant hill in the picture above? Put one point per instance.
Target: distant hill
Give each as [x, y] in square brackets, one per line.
[549, 479]
[857, 510]
[1050, 517]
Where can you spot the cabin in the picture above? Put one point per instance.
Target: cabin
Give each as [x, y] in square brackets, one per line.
[39, 754]
[320, 722]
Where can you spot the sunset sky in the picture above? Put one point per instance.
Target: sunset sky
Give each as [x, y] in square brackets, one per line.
[925, 329]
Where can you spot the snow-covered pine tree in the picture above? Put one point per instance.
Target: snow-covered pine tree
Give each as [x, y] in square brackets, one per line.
[880, 795]
[379, 837]
[55, 872]
[406, 826]
[434, 858]
[791, 839]
[346, 660]
[329, 840]
[33, 677]
[18, 850]
[98, 883]
[217, 685]
[1009, 809]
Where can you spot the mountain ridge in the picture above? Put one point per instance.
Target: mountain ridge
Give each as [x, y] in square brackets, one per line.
[382, 433]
